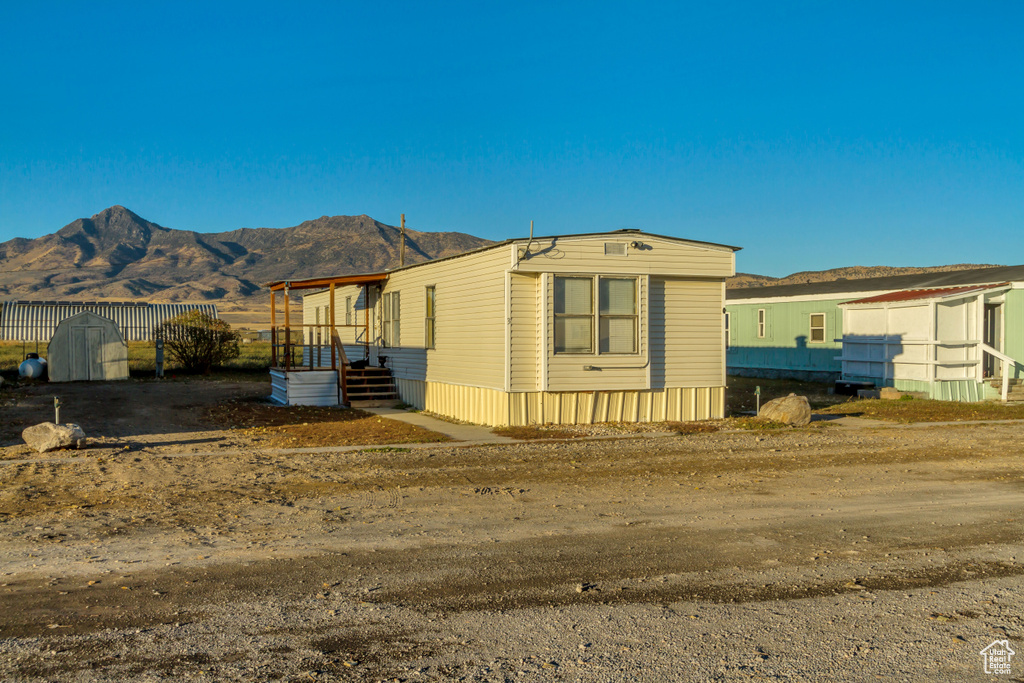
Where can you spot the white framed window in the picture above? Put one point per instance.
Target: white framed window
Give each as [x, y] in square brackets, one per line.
[817, 335]
[348, 310]
[761, 323]
[728, 338]
[614, 319]
[430, 316]
[391, 319]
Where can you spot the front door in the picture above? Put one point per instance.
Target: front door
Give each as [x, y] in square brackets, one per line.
[993, 335]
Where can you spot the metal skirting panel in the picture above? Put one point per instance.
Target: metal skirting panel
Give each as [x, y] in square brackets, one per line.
[498, 408]
[315, 388]
[966, 390]
[37, 320]
[471, 404]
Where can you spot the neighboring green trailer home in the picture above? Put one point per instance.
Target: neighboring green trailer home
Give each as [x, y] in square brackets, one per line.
[928, 332]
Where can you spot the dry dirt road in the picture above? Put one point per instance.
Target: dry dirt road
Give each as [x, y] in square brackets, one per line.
[816, 554]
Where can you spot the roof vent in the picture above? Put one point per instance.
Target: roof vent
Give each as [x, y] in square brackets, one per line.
[614, 248]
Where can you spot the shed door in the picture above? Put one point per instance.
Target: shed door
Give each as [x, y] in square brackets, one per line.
[95, 337]
[79, 360]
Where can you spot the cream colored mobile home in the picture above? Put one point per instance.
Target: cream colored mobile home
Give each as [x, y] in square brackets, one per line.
[574, 329]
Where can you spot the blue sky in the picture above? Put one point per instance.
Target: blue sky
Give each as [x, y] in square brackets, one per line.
[814, 135]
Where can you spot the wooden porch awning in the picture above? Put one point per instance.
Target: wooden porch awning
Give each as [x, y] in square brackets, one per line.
[325, 282]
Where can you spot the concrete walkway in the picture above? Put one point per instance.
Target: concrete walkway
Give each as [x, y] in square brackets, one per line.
[475, 433]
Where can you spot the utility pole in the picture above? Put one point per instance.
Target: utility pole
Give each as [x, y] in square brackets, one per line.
[401, 253]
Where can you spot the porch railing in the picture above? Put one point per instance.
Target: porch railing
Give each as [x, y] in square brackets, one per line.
[1007, 364]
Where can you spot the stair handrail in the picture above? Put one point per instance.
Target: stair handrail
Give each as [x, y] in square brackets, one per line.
[1006, 359]
[342, 376]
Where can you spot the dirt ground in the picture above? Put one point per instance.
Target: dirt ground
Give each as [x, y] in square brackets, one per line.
[826, 553]
[189, 415]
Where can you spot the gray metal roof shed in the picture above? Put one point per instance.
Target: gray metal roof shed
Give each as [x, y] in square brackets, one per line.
[87, 346]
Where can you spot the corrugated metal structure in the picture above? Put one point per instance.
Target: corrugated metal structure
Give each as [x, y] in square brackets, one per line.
[31, 321]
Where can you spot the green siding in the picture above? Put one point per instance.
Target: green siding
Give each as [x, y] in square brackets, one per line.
[1013, 317]
[786, 344]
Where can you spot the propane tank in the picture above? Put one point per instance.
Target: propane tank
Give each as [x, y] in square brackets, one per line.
[33, 367]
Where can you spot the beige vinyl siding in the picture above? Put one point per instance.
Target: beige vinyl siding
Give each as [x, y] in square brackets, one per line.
[687, 333]
[612, 371]
[469, 344]
[657, 256]
[525, 332]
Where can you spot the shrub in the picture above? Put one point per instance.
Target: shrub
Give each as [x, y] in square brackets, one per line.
[197, 342]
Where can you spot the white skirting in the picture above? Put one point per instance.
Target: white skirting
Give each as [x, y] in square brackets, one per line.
[308, 388]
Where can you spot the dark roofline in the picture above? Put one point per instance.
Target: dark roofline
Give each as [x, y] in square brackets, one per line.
[948, 278]
[278, 284]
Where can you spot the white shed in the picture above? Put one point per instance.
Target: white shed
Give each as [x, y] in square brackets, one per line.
[87, 346]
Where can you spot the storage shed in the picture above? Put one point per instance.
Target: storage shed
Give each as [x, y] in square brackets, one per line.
[87, 346]
[571, 329]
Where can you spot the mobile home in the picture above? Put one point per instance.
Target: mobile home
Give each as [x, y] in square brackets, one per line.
[618, 326]
[956, 335]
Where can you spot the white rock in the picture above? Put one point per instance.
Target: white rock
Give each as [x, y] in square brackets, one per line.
[48, 436]
[793, 410]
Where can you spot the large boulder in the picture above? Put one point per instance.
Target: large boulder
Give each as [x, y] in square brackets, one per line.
[793, 410]
[48, 436]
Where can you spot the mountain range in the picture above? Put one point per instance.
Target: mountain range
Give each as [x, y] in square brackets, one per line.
[117, 254]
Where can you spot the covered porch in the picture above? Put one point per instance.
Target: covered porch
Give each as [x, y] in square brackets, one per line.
[948, 343]
[308, 362]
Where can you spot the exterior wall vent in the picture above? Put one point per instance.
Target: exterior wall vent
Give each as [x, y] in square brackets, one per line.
[614, 248]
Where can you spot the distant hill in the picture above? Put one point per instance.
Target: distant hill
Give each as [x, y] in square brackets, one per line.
[117, 254]
[741, 280]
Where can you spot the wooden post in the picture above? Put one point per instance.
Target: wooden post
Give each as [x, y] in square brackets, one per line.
[401, 252]
[287, 332]
[334, 362]
[273, 331]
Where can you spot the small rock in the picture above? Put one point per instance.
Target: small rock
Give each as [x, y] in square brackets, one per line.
[48, 436]
[793, 410]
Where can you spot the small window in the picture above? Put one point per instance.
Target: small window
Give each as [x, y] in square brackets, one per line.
[430, 316]
[392, 313]
[760, 323]
[817, 328]
[348, 310]
[727, 339]
[574, 315]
